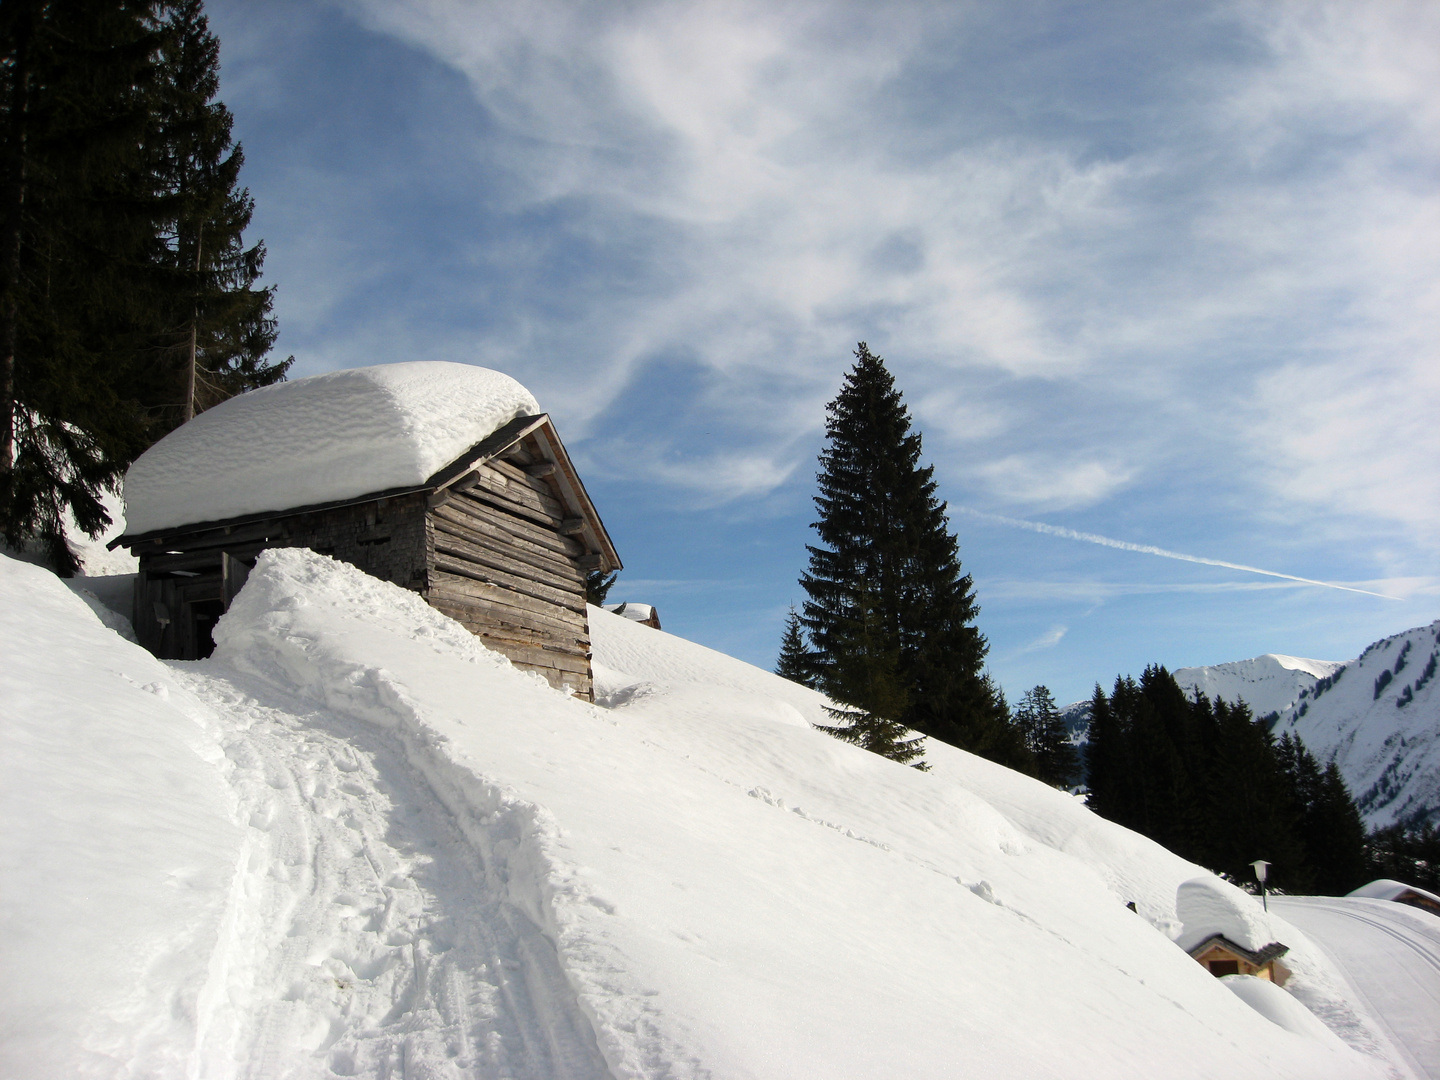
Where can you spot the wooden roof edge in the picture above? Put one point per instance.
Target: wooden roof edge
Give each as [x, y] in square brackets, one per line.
[1265, 954]
[189, 529]
[492, 446]
[573, 488]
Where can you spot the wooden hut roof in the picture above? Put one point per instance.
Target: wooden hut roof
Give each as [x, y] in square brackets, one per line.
[1258, 957]
[456, 475]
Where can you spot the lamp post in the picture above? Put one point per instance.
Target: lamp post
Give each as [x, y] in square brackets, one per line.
[1261, 866]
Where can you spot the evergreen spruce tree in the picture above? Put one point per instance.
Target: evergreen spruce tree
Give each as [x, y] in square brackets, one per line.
[890, 615]
[120, 251]
[217, 328]
[1046, 738]
[77, 228]
[1251, 809]
[870, 690]
[1104, 758]
[794, 662]
[1328, 822]
[598, 585]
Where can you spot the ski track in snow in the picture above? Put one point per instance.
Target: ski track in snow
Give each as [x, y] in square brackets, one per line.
[1390, 956]
[374, 938]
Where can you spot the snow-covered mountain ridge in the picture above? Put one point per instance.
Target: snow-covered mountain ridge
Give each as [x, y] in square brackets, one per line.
[1268, 684]
[1378, 718]
[355, 842]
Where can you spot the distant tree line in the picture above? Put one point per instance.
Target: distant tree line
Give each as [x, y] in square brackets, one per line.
[128, 298]
[1408, 852]
[1209, 782]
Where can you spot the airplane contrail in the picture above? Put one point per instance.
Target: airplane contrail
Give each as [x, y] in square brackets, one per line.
[1150, 549]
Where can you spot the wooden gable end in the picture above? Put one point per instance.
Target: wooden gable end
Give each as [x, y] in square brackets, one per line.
[511, 539]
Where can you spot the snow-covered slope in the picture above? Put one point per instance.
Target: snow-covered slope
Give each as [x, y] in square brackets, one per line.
[1378, 717]
[355, 842]
[1268, 684]
[323, 438]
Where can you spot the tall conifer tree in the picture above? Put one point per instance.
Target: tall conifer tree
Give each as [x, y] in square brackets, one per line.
[218, 328]
[794, 662]
[120, 252]
[1045, 736]
[77, 227]
[890, 615]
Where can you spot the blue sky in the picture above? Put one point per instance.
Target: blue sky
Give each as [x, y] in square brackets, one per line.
[1165, 273]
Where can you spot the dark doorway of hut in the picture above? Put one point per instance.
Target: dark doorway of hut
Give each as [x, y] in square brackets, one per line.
[177, 605]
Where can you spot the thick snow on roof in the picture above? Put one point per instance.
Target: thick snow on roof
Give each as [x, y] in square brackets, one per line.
[328, 437]
[1208, 905]
[1389, 889]
[631, 610]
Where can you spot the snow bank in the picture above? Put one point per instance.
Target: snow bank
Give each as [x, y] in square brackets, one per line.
[412, 857]
[328, 437]
[1279, 1007]
[729, 892]
[117, 846]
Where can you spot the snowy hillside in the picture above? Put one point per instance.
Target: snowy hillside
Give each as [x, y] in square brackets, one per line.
[1379, 717]
[1268, 684]
[355, 842]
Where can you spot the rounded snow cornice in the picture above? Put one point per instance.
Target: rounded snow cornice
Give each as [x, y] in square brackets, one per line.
[326, 438]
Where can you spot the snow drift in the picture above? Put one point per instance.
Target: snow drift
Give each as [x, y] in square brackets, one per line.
[379, 849]
[356, 432]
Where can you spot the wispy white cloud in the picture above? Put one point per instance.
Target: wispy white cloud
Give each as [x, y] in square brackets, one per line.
[1028, 480]
[1215, 272]
[1048, 640]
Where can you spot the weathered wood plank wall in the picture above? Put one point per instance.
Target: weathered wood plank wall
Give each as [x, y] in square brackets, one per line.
[503, 566]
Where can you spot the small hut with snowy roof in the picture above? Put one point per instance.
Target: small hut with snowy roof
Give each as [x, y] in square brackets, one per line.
[443, 478]
[1400, 893]
[1227, 932]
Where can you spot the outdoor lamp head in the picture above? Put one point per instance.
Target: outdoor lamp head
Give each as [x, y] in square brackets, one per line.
[1260, 866]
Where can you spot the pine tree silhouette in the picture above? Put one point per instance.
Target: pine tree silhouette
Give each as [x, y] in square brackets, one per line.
[890, 614]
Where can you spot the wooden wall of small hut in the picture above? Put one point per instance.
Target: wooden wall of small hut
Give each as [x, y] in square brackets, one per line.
[505, 562]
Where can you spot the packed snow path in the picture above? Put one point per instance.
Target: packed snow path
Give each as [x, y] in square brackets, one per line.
[1390, 953]
[376, 945]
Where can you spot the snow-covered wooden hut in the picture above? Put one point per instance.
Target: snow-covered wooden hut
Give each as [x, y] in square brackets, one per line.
[1400, 893]
[1227, 932]
[644, 614]
[442, 478]
[1220, 956]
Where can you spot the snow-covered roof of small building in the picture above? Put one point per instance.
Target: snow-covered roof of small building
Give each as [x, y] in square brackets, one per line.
[1389, 889]
[326, 438]
[1208, 906]
[631, 610]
